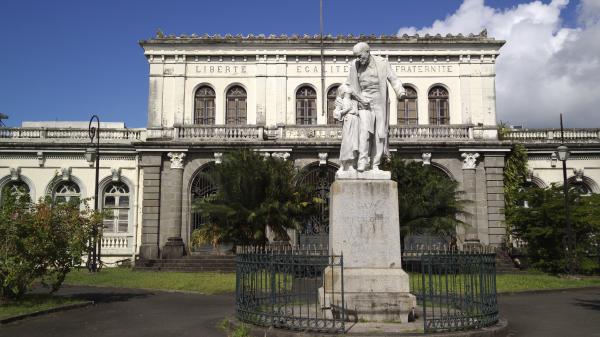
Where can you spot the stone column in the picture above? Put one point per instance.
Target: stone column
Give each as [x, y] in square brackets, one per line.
[494, 175]
[470, 188]
[150, 165]
[171, 207]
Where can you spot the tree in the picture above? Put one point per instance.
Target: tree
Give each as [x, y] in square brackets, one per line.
[42, 241]
[542, 226]
[429, 202]
[253, 193]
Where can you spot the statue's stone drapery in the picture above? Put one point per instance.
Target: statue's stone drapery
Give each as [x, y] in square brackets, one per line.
[368, 78]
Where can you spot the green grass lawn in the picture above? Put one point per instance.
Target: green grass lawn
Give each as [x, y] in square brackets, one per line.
[218, 283]
[34, 302]
[531, 281]
[204, 282]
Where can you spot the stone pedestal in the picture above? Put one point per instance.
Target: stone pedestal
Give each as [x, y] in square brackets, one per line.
[173, 249]
[364, 228]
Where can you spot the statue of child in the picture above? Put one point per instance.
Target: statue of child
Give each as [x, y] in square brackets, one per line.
[346, 110]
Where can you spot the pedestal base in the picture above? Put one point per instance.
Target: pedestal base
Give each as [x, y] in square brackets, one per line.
[370, 294]
[149, 251]
[364, 228]
[173, 249]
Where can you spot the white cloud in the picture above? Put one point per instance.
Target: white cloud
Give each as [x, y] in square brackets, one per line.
[544, 68]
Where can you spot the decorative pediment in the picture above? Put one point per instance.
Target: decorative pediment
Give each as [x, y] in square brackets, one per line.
[116, 174]
[578, 175]
[470, 160]
[65, 174]
[15, 173]
[218, 157]
[176, 159]
[281, 155]
[426, 156]
[323, 158]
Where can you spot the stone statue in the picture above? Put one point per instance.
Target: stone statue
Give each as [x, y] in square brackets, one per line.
[346, 111]
[368, 79]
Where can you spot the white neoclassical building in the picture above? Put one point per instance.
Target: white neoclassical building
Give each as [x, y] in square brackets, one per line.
[211, 94]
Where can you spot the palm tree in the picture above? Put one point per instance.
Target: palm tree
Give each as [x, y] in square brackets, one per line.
[253, 193]
[429, 202]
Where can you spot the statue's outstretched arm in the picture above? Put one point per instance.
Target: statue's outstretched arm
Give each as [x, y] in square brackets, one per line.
[395, 81]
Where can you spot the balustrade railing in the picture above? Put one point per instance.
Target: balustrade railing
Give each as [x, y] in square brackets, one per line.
[71, 134]
[551, 135]
[234, 132]
[113, 243]
[318, 133]
[431, 132]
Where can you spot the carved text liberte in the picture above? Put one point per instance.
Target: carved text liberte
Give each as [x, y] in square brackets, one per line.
[230, 69]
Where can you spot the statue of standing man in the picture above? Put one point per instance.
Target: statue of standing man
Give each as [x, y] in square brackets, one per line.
[368, 79]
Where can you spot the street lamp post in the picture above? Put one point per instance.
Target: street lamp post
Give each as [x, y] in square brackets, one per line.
[563, 155]
[92, 154]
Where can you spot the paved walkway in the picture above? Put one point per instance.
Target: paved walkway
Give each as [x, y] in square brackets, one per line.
[130, 313]
[133, 313]
[552, 314]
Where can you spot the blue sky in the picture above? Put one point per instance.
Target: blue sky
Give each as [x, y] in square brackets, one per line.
[67, 60]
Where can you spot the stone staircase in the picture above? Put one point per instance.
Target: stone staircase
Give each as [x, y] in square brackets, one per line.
[192, 263]
[504, 264]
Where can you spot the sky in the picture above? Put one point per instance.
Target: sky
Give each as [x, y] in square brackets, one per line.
[67, 60]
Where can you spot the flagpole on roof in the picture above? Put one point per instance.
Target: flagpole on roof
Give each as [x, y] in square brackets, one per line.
[323, 97]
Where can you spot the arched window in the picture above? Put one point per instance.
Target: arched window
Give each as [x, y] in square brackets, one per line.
[236, 106]
[202, 187]
[67, 191]
[204, 106]
[581, 187]
[331, 96]
[115, 203]
[306, 106]
[439, 113]
[18, 189]
[407, 108]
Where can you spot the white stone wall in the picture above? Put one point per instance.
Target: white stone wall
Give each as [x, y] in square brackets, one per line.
[272, 74]
[544, 170]
[39, 173]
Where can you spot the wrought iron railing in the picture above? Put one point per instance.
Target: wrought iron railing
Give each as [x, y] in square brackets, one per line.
[282, 287]
[455, 290]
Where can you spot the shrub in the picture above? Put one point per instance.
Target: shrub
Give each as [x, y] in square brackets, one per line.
[40, 241]
[542, 226]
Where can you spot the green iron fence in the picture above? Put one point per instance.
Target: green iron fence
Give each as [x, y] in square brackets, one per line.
[283, 287]
[455, 290]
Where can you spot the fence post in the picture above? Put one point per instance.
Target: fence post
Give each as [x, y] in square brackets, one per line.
[272, 265]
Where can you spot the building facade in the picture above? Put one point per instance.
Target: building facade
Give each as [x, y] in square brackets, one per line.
[274, 94]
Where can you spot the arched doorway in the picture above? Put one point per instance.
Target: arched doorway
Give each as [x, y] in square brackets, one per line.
[319, 178]
[202, 186]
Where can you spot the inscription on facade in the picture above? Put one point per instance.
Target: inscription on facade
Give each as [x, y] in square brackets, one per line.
[221, 69]
[433, 69]
[312, 69]
[342, 69]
